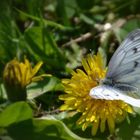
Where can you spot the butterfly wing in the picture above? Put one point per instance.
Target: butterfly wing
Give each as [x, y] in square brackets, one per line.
[109, 93]
[124, 66]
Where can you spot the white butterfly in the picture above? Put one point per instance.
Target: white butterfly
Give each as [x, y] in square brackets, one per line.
[122, 80]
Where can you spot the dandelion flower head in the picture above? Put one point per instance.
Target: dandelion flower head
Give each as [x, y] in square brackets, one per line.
[100, 114]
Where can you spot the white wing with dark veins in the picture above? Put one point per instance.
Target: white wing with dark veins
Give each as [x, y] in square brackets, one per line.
[124, 66]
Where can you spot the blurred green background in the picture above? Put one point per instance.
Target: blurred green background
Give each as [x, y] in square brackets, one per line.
[59, 33]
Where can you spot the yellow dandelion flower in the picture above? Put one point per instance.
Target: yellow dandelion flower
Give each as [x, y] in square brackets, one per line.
[17, 75]
[95, 112]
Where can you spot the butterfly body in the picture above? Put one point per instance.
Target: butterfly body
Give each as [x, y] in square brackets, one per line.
[122, 81]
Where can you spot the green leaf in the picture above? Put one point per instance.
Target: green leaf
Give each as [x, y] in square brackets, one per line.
[130, 131]
[85, 5]
[3, 95]
[70, 119]
[43, 47]
[74, 56]
[61, 12]
[87, 19]
[71, 7]
[42, 129]
[105, 43]
[47, 84]
[8, 32]
[15, 113]
[56, 128]
[128, 26]
[103, 56]
[46, 22]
